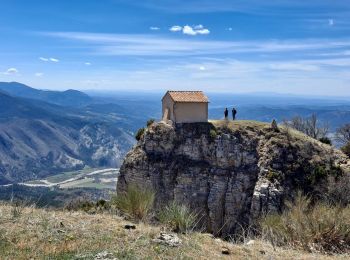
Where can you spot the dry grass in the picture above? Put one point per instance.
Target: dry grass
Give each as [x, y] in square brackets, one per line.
[319, 227]
[257, 125]
[45, 234]
[238, 123]
[136, 202]
[178, 217]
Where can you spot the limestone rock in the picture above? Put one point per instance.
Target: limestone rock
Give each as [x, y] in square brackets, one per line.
[230, 180]
[168, 239]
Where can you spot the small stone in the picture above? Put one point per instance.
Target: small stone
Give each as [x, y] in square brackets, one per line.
[104, 256]
[129, 226]
[225, 251]
[250, 242]
[168, 239]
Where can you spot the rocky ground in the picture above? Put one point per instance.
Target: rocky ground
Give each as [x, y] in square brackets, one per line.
[30, 233]
[229, 172]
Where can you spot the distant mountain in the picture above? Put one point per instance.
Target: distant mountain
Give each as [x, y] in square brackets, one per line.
[38, 139]
[69, 97]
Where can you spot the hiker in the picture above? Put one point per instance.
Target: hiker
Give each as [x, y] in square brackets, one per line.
[234, 112]
[226, 113]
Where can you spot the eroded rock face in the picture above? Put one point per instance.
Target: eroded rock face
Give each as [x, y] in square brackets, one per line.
[228, 172]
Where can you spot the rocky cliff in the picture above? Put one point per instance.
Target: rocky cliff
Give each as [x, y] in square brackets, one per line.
[229, 172]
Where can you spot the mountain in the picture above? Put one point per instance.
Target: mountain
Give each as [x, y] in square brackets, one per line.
[69, 97]
[38, 139]
[230, 172]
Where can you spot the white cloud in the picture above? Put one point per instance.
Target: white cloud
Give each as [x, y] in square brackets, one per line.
[54, 60]
[230, 28]
[48, 59]
[87, 63]
[203, 31]
[198, 29]
[330, 22]
[154, 28]
[202, 68]
[175, 28]
[11, 71]
[188, 30]
[145, 45]
[39, 74]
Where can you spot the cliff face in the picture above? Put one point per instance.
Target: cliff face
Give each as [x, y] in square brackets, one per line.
[229, 172]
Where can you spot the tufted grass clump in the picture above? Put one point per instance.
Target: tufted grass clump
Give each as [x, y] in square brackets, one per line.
[319, 227]
[178, 217]
[136, 202]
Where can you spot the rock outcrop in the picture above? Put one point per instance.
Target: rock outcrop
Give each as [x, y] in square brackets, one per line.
[229, 172]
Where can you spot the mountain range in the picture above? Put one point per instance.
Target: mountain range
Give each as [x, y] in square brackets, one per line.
[45, 132]
[70, 98]
[38, 138]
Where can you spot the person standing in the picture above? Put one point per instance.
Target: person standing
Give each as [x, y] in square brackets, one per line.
[226, 113]
[234, 112]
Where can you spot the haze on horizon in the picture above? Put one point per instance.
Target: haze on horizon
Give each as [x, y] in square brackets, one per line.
[287, 46]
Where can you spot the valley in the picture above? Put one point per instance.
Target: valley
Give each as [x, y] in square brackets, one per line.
[86, 178]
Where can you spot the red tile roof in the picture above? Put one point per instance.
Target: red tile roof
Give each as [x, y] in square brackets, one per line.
[188, 96]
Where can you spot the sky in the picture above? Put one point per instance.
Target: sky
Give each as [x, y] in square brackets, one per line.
[236, 46]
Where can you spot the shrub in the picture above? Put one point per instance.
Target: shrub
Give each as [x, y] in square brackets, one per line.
[139, 134]
[135, 202]
[325, 140]
[213, 134]
[335, 190]
[346, 149]
[150, 121]
[318, 227]
[178, 217]
[17, 209]
[321, 172]
[87, 205]
[274, 175]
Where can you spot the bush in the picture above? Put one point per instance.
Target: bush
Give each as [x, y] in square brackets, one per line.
[346, 149]
[139, 134]
[149, 122]
[87, 205]
[274, 175]
[325, 140]
[178, 217]
[318, 227]
[318, 174]
[213, 134]
[337, 190]
[135, 202]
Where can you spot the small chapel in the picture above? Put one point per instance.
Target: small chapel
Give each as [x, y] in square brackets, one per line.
[185, 107]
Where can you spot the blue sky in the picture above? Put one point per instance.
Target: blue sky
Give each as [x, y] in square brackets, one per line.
[285, 46]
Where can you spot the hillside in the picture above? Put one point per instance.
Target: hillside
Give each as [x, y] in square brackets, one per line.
[39, 138]
[30, 233]
[230, 172]
[69, 97]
